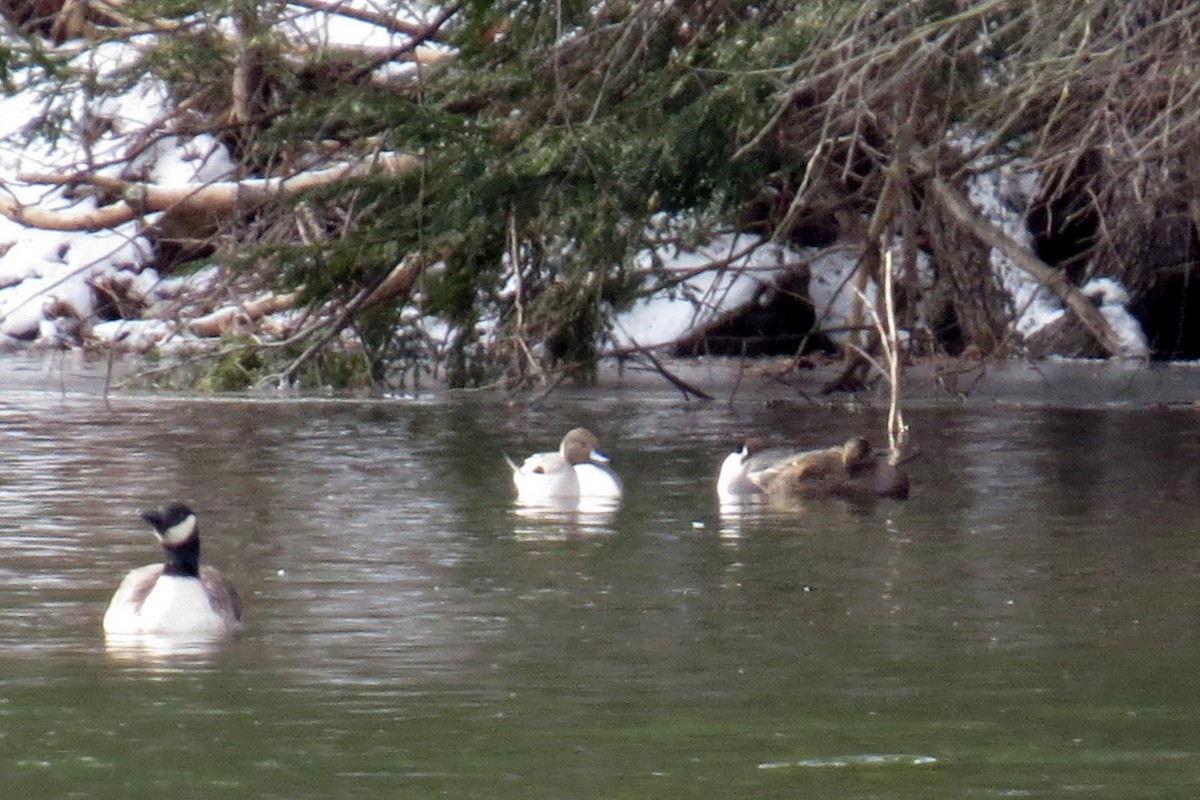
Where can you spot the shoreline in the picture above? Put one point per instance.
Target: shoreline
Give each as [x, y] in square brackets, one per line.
[928, 382]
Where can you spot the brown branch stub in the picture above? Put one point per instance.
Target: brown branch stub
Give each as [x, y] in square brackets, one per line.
[400, 281]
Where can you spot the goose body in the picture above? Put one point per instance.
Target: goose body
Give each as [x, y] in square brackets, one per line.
[178, 596]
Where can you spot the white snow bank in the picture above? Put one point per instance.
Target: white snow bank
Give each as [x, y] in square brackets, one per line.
[135, 335]
[47, 275]
[834, 295]
[1111, 299]
[714, 279]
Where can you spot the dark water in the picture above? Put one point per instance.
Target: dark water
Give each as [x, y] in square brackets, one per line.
[1027, 625]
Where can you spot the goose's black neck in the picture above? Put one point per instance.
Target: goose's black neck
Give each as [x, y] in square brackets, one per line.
[183, 559]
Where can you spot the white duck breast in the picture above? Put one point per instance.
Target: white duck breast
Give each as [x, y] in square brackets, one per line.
[736, 479]
[733, 481]
[597, 480]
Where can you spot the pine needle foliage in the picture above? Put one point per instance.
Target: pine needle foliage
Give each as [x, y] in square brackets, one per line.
[548, 146]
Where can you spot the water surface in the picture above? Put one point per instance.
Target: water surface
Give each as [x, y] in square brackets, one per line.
[1023, 626]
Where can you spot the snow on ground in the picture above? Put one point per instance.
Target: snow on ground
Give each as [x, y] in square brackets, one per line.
[715, 280]
[993, 193]
[723, 275]
[1113, 301]
[834, 295]
[47, 275]
[52, 283]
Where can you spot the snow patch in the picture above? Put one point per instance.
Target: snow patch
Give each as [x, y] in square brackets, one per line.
[135, 335]
[711, 280]
[1003, 195]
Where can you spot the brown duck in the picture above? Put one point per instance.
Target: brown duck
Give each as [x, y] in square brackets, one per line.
[852, 471]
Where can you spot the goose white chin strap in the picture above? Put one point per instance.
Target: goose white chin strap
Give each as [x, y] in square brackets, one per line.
[179, 532]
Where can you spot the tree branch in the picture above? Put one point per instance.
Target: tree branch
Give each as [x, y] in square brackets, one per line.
[223, 197]
[1052, 279]
[344, 9]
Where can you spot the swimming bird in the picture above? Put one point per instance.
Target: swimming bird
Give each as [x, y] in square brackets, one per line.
[178, 596]
[851, 471]
[597, 479]
[577, 471]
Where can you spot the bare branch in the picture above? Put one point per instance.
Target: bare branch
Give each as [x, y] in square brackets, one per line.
[344, 9]
[141, 199]
[1052, 279]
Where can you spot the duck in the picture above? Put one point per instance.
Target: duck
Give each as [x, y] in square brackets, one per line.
[851, 471]
[178, 596]
[869, 475]
[578, 470]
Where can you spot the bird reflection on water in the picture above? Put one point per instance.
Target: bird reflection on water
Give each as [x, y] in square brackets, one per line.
[559, 521]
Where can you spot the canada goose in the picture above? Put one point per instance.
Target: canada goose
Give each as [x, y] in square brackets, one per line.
[178, 596]
[577, 470]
